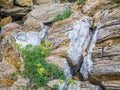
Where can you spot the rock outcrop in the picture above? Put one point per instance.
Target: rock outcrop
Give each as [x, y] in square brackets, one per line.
[86, 45]
[38, 14]
[40, 2]
[24, 2]
[5, 21]
[6, 3]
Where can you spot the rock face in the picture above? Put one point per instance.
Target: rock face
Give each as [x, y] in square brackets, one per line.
[24, 2]
[38, 14]
[86, 46]
[40, 2]
[5, 21]
[16, 13]
[105, 54]
[6, 3]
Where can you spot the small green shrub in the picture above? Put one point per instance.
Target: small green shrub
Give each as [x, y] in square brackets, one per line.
[58, 17]
[65, 15]
[55, 87]
[81, 1]
[118, 1]
[36, 67]
[71, 0]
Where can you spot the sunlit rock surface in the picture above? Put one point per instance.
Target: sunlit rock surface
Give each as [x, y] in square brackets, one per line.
[31, 37]
[97, 63]
[6, 3]
[38, 14]
[24, 2]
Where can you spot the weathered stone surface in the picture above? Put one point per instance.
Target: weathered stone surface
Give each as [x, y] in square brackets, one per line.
[91, 8]
[16, 13]
[5, 21]
[38, 14]
[7, 29]
[63, 85]
[6, 3]
[0, 47]
[24, 2]
[40, 2]
[7, 72]
[9, 52]
[107, 51]
[111, 85]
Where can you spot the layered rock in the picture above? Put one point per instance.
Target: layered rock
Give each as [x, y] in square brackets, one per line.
[38, 14]
[16, 13]
[73, 41]
[40, 2]
[106, 53]
[24, 2]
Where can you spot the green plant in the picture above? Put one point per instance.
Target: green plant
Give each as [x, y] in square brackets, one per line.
[71, 0]
[36, 67]
[81, 1]
[65, 15]
[47, 88]
[55, 87]
[71, 81]
[118, 1]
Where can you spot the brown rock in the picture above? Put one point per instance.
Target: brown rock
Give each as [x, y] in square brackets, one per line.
[24, 2]
[106, 54]
[5, 21]
[7, 29]
[9, 52]
[55, 60]
[91, 8]
[39, 2]
[6, 3]
[16, 13]
[38, 14]
[111, 85]
[6, 74]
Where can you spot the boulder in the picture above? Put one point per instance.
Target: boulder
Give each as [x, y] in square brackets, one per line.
[6, 3]
[24, 2]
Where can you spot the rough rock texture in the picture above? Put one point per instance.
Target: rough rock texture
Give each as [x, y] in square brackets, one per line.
[8, 65]
[105, 66]
[7, 29]
[40, 2]
[16, 13]
[107, 48]
[6, 3]
[0, 47]
[38, 14]
[64, 84]
[5, 21]
[24, 2]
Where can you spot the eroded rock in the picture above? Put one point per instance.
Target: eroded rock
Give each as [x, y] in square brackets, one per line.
[38, 14]
[6, 3]
[5, 21]
[24, 2]
[40, 2]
